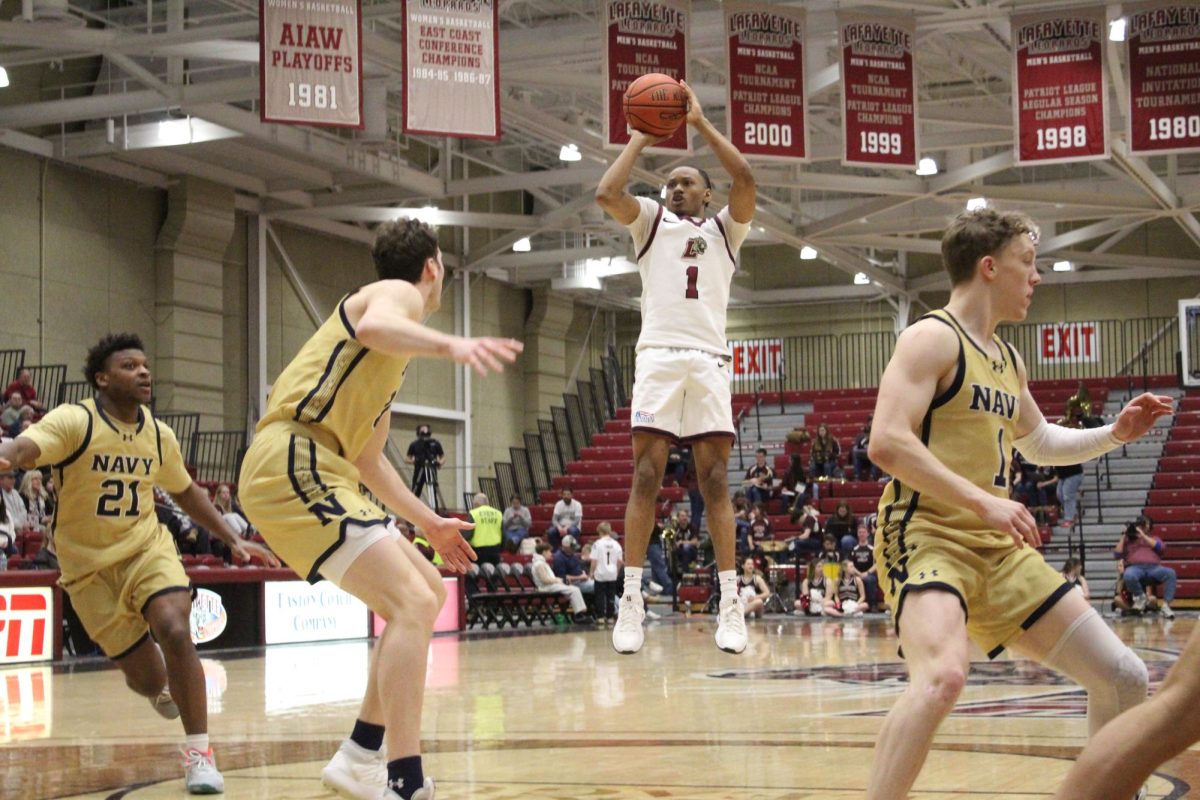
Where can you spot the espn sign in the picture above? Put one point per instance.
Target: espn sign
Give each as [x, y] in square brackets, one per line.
[757, 359]
[1068, 343]
[26, 624]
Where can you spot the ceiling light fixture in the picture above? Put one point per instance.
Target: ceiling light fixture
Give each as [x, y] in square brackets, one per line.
[861, 279]
[1116, 30]
[522, 245]
[569, 152]
[976, 203]
[3, 77]
[808, 253]
[927, 166]
[1063, 266]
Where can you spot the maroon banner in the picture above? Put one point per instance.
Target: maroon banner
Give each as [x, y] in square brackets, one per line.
[1163, 71]
[452, 68]
[640, 38]
[310, 62]
[879, 99]
[766, 98]
[1060, 86]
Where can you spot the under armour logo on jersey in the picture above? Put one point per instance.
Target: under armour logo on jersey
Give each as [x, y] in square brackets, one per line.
[695, 247]
[998, 366]
[127, 437]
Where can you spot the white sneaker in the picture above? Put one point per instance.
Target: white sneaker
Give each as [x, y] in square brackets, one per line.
[655, 588]
[355, 772]
[731, 625]
[1139, 603]
[200, 772]
[652, 614]
[424, 793]
[627, 635]
[164, 706]
[1166, 611]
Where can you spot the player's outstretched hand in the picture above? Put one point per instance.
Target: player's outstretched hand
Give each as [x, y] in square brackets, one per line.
[1012, 518]
[1138, 417]
[485, 353]
[695, 114]
[644, 140]
[243, 551]
[447, 539]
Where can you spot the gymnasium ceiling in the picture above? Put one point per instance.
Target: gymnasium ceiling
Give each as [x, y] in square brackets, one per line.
[141, 63]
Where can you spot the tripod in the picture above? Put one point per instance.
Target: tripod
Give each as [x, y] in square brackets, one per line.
[425, 484]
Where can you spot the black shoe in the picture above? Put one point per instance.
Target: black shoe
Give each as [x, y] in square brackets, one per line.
[583, 619]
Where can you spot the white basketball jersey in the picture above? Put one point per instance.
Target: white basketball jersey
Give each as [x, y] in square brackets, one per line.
[686, 265]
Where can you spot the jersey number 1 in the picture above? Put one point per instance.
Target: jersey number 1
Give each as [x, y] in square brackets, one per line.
[693, 272]
[109, 504]
[1000, 479]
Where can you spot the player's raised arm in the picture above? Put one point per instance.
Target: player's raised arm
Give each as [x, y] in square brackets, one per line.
[611, 194]
[742, 195]
[925, 353]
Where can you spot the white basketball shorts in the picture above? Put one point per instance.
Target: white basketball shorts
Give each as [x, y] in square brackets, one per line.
[682, 393]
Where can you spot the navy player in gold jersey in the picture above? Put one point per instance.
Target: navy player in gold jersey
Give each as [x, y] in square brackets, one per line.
[956, 556]
[322, 435]
[119, 565]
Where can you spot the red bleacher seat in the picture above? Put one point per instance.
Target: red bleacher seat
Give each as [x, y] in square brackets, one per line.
[1164, 514]
[1176, 480]
[1176, 447]
[1179, 464]
[1177, 531]
[1173, 497]
[622, 480]
[623, 467]
[607, 453]
[1185, 433]
[829, 404]
[1184, 569]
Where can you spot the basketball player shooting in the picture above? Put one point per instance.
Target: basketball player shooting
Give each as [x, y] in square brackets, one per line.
[681, 390]
[956, 556]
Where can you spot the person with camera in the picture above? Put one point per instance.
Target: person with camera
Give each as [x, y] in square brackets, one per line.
[426, 456]
[1142, 554]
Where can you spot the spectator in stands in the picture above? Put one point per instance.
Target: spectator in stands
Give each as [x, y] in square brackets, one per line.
[547, 581]
[794, 489]
[606, 559]
[1142, 554]
[23, 385]
[677, 464]
[1123, 601]
[687, 540]
[516, 522]
[8, 533]
[11, 416]
[843, 525]
[851, 595]
[760, 478]
[568, 518]
[489, 530]
[829, 552]
[864, 470]
[13, 502]
[1069, 480]
[228, 505]
[190, 538]
[1072, 572]
[752, 588]
[659, 574]
[815, 591]
[569, 566]
[825, 453]
[46, 558]
[39, 507]
[862, 562]
[691, 484]
[1025, 486]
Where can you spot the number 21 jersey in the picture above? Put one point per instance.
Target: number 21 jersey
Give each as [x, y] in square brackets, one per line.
[686, 266]
[106, 471]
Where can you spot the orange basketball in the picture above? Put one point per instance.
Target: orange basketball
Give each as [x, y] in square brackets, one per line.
[655, 104]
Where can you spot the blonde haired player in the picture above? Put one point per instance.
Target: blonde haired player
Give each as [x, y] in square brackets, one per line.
[323, 434]
[955, 554]
[681, 388]
[120, 566]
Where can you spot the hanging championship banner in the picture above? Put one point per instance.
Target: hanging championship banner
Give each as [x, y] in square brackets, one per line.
[765, 92]
[879, 99]
[310, 62]
[1163, 70]
[452, 68]
[1060, 86]
[642, 37]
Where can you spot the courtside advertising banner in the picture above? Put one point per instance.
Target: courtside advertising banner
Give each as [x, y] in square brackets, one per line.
[1163, 70]
[765, 94]
[1060, 86]
[642, 36]
[452, 68]
[879, 99]
[310, 56]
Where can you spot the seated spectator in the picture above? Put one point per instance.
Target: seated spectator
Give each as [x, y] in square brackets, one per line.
[39, 506]
[46, 558]
[752, 588]
[1123, 601]
[517, 520]
[851, 595]
[8, 533]
[864, 470]
[228, 505]
[825, 453]
[14, 411]
[546, 581]
[862, 562]
[14, 505]
[793, 491]
[1072, 572]
[830, 557]
[190, 538]
[677, 464]
[23, 386]
[569, 566]
[760, 478]
[1142, 554]
[843, 526]
[1026, 488]
[687, 540]
[568, 518]
[606, 559]
[815, 591]
[691, 484]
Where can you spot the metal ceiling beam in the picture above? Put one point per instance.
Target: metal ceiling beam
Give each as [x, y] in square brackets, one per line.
[585, 175]
[537, 258]
[466, 219]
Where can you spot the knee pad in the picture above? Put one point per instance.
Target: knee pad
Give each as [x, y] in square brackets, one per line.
[1130, 678]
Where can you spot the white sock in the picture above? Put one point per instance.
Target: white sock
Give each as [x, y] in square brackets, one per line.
[728, 580]
[198, 741]
[633, 582]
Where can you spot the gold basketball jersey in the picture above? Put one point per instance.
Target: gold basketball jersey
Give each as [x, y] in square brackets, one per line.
[336, 385]
[106, 472]
[970, 428]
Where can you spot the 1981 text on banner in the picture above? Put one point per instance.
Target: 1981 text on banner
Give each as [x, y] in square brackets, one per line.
[310, 55]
